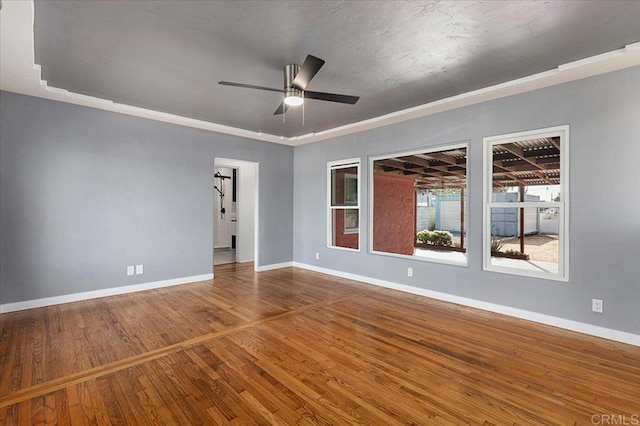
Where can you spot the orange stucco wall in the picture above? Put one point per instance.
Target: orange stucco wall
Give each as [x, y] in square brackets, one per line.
[394, 213]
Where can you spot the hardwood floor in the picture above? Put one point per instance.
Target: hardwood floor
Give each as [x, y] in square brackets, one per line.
[292, 346]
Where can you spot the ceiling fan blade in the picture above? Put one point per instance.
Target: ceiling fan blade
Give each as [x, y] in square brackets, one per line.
[281, 109]
[249, 86]
[308, 70]
[331, 97]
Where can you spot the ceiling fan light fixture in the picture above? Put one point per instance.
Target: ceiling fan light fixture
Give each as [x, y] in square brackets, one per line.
[293, 97]
[293, 100]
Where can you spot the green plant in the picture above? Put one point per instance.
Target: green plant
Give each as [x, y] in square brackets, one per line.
[513, 252]
[432, 227]
[443, 238]
[423, 236]
[439, 238]
[496, 245]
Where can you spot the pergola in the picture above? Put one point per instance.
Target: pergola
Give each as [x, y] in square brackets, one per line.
[517, 164]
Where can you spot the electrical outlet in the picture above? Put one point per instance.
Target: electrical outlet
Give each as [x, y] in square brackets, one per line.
[597, 305]
[139, 269]
[317, 255]
[130, 270]
[410, 272]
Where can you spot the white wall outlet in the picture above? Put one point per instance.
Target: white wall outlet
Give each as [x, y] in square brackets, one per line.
[317, 255]
[139, 269]
[130, 270]
[410, 272]
[597, 305]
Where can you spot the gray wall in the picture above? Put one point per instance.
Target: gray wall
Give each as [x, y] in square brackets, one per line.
[84, 193]
[604, 117]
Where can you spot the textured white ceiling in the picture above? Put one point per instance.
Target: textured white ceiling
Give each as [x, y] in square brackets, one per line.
[169, 55]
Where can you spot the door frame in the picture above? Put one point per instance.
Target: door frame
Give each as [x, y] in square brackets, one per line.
[241, 165]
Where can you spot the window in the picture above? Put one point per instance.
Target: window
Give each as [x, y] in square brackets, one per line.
[526, 203]
[343, 216]
[418, 204]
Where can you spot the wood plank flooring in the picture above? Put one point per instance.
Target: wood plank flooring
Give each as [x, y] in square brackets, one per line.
[296, 347]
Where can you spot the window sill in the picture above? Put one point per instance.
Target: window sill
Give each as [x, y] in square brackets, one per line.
[533, 270]
[343, 248]
[447, 258]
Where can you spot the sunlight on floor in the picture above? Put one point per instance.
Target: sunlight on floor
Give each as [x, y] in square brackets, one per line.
[446, 256]
[224, 255]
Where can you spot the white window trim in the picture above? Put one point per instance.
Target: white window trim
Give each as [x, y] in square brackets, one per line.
[563, 204]
[425, 150]
[335, 165]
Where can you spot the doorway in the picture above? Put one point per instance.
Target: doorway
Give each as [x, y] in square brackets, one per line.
[235, 209]
[225, 214]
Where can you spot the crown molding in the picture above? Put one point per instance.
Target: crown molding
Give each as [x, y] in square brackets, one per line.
[20, 74]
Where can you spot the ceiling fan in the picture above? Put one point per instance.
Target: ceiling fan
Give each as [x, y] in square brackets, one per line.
[296, 79]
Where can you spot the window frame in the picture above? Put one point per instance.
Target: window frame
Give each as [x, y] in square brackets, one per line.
[563, 205]
[424, 150]
[336, 165]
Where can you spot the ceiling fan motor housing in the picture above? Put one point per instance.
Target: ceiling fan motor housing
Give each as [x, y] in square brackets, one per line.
[290, 72]
[292, 95]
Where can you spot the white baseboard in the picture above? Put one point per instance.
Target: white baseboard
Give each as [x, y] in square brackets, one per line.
[273, 266]
[75, 297]
[580, 327]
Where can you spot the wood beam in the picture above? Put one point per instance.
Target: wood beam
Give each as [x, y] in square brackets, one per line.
[505, 171]
[544, 178]
[524, 166]
[515, 149]
[395, 165]
[447, 169]
[533, 153]
[548, 160]
[415, 160]
[445, 158]
[444, 175]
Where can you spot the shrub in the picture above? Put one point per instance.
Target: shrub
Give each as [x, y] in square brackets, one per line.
[443, 238]
[423, 236]
[513, 252]
[440, 238]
